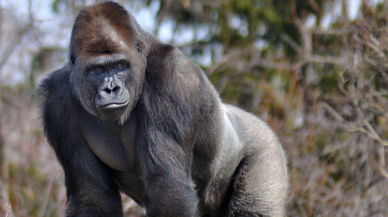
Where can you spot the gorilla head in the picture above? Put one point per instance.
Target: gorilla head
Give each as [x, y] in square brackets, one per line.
[108, 62]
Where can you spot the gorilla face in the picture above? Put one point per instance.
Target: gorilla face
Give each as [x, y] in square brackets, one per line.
[109, 86]
[108, 79]
[108, 68]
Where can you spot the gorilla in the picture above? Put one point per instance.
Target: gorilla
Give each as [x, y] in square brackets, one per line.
[130, 114]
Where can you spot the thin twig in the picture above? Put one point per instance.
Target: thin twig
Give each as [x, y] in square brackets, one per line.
[382, 162]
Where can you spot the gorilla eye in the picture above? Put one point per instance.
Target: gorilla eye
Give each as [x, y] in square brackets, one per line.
[97, 70]
[119, 66]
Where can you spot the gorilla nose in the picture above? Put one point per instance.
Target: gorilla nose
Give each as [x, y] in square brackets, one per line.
[112, 90]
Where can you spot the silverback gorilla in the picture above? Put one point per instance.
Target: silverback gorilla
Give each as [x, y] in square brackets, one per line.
[129, 113]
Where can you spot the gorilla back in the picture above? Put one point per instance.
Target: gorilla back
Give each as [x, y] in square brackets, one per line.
[129, 113]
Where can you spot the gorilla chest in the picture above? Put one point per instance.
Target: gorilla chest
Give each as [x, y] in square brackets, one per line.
[113, 145]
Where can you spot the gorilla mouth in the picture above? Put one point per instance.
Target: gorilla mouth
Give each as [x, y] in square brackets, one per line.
[113, 105]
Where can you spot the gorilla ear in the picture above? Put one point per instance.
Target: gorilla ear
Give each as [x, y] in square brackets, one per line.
[72, 59]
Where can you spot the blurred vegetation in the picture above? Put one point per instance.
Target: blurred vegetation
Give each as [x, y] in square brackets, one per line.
[318, 77]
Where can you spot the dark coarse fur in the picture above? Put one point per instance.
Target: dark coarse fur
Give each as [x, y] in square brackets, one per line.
[129, 113]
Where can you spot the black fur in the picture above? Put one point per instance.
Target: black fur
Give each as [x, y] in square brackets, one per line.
[175, 148]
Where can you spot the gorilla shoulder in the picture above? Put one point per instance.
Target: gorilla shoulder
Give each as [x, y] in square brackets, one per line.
[254, 132]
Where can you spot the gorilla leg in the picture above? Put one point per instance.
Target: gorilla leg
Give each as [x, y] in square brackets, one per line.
[261, 185]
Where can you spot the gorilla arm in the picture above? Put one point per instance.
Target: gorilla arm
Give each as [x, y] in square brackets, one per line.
[167, 127]
[90, 190]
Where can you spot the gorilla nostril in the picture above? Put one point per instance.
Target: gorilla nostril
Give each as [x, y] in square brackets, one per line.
[107, 90]
[115, 89]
